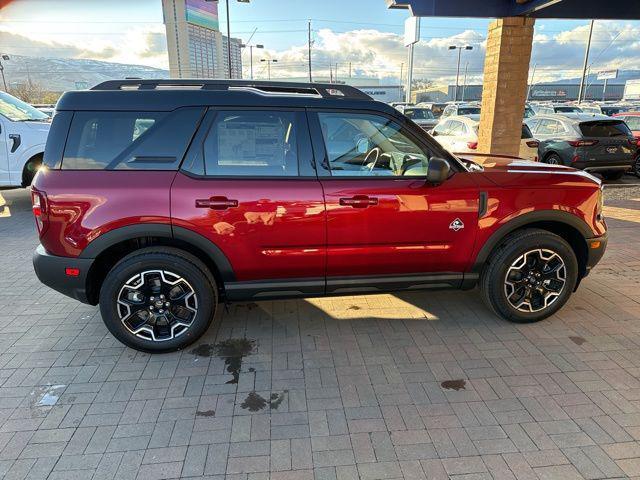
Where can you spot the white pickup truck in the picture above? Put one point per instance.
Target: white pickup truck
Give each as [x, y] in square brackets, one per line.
[23, 134]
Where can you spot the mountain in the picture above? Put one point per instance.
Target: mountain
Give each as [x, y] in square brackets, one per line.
[60, 74]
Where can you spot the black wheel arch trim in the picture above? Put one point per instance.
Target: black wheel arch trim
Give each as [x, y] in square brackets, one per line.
[130, 232]
[523, 220]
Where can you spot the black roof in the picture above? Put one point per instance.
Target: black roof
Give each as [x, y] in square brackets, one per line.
[166, 95]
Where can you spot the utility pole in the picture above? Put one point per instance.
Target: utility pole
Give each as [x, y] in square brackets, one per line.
[459, 48]
[229, 41]
[349, 69]
[410, 63]
[533, 75]
[464, 82]
[309, 47]
[4, 57]
[581, 93]
[269, 62]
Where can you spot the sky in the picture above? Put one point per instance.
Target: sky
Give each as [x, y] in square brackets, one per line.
[361, 32]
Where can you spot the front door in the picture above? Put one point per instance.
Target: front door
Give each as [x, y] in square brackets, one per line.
[248, 186]
[383, 218]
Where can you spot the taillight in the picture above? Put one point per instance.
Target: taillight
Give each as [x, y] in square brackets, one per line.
[583, 143]
[575, 158]
[533, 143]
[38, 206]
[472, 145]
[635, 142]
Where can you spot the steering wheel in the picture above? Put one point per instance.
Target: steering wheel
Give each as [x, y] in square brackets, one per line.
[375, 150]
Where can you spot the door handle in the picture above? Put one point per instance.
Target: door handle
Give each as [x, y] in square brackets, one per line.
[16, 141]
[216, 203]
[358, 201]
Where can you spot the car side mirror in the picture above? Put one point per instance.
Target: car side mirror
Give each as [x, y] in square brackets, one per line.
[438, 171]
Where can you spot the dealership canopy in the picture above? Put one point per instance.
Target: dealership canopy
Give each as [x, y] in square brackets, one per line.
[575, 9]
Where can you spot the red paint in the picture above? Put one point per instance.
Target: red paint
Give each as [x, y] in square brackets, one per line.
[274, 229]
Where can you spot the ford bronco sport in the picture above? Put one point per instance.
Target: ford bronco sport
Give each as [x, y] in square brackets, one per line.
[159, 200]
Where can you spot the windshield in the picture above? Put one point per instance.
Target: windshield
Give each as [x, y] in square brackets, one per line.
[568, 109]
[19, 111]
[469, 111]
[419, 114]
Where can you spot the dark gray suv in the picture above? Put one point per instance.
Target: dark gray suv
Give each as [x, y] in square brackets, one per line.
[594, 143]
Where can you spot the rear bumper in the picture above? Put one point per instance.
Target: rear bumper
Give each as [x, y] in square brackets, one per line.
[600, 166]
[50, 270]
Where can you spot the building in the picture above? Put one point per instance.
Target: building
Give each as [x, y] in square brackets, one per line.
[555, 92]
[196, 47]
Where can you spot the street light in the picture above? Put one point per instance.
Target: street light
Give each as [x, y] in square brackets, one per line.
[229, 34]
[459, 48]
[251, 55]
[269, 62]
[4, 57]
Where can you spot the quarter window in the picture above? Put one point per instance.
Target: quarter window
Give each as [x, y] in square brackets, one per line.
[252, 143]
[369, 145]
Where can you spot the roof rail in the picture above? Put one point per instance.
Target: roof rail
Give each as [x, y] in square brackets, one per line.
[320, 90]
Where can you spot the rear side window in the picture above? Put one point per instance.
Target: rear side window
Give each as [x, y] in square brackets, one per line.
[605, 129]
[252, 143]
[129, 140]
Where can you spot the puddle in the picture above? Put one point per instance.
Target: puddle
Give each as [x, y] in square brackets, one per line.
[47, 395]
[255, 402]
[577, 340]
[206, 413]
[232, 350]
[454, 385]
[204, 350]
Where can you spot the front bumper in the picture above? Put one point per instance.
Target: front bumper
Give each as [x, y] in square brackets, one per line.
[595, 250]
[51, 270]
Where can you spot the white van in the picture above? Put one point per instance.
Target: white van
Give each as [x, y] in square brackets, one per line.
[23, 134]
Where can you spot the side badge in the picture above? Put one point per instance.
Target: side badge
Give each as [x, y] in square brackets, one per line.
[456, 225]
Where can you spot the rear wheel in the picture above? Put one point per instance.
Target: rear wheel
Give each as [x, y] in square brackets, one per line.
[530, 276]
[158, 300]
[553, 159]
[636, 167]
[613, 175]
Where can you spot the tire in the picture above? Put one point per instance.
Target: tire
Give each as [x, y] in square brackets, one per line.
[553, 159]
[30, 169]
[496, 288]
[613, 175]
[191, 293]
[636, 167]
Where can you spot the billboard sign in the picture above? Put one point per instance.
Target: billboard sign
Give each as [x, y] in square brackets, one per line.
[411, 31]
[203, 13]
[607, 74]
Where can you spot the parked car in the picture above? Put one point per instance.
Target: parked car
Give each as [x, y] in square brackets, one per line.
[459, 134]
[591, 108]
[422, 116]
[435, 107]
[632, 119]
[461, 109]
[23, 134]
[594, 143]
[162, 203]
[550, 108]
[529, 111]
[611, 110]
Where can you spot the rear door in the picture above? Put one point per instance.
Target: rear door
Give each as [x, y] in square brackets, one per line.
[383, 218]
[248, 185]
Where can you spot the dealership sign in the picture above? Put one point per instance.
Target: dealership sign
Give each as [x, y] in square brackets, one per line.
[607, 74]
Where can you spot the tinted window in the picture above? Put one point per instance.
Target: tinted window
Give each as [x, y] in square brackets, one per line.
[526, 133]
[419, 113]
[469, 111]
[437, 110]
[605, 129]
[370, 145]
[129, 140]
[568, 109]
[252, 143]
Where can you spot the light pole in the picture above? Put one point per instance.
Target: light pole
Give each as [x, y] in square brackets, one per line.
[5, 58]
[251, 56]
[269, 62]
[459, 48]
[581, 92]
[229, 36]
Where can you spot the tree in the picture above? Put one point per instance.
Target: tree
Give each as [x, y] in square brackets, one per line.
[34, 93]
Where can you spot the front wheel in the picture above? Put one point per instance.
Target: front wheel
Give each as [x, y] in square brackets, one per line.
[158, 299]
[553, 159]
[530, 276]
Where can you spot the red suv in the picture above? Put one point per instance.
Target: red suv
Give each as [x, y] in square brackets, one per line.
[161, 199]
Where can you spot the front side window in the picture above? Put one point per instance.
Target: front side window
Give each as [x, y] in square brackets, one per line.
[102, 140]
[252, 143]
[369, 145]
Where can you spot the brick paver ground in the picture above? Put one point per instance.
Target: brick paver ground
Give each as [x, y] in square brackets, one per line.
[407, 386]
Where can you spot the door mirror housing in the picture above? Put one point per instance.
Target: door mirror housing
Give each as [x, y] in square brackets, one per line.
[438, 171]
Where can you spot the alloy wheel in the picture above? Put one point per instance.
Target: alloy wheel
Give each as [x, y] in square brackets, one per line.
[157, 305]
[535, 280]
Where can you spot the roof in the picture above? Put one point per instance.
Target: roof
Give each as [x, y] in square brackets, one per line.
[573, 117]
[570, 9]
[166, 95]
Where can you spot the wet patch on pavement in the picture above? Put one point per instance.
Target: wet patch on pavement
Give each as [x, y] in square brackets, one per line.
[255, 402]
[577, 340]
[206, 413]
[454, 385]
